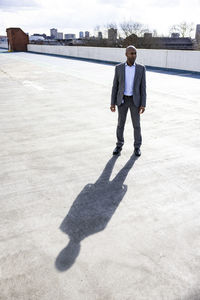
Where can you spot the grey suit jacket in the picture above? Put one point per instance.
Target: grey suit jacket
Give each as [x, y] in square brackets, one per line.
[139, 86]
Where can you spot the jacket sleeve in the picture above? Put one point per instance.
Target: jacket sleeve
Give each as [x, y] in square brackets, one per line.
[143, 88]
[114, 88]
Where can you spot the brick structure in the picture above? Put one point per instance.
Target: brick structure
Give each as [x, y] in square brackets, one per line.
[17, 39]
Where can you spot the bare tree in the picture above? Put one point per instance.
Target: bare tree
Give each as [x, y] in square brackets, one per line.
[111, 25]
[130, 27]
[96, 30]
[184, 29]
[108, 26]
[154, 34]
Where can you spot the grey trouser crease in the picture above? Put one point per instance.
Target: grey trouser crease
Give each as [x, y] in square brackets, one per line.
[135, 117]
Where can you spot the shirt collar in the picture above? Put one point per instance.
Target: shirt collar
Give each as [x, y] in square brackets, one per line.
[128, 65]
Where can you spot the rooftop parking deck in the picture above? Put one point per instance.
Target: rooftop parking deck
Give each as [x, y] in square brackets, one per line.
[77, 223]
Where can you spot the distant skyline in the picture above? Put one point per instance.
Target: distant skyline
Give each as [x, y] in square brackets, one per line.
[38, 16]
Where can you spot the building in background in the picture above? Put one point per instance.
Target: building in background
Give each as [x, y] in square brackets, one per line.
[112, 34]
[149, 42]
[3, 41]
[39, 34]
[175, 35]
[36, 37]
[53, 33]
[59, 35]
[100, 35]
[70, 36]
[197, 34]
[87, 34]
[3, 38]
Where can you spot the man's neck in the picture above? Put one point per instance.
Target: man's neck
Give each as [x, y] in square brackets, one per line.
[130, 64]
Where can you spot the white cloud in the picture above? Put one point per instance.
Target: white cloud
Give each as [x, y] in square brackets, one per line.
[11, 5]
[73, 16]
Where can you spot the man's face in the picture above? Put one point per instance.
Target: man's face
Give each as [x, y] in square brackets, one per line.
[131, 54]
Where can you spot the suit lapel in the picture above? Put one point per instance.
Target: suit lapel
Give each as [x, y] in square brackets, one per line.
[136, 70]
[123, 74]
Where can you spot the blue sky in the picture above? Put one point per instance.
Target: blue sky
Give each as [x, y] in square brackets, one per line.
[38, 16]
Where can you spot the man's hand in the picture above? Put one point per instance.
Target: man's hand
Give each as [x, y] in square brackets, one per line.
[141, 109]
[112, 108]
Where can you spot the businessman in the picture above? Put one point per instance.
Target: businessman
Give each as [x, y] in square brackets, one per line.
[129, 91]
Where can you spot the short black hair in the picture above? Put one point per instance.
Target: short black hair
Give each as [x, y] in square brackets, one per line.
[131, 46]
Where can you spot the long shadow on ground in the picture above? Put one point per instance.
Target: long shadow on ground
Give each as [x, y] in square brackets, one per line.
[92, 210]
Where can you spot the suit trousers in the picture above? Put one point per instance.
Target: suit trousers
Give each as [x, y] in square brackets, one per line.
[135, 117]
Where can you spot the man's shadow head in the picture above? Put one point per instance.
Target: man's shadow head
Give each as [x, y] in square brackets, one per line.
[92, 209]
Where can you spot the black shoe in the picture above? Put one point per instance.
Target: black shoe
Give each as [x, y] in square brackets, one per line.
[117, 150]
[137, 152]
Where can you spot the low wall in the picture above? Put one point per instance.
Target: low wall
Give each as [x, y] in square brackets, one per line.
[4, 45]
[184, 60]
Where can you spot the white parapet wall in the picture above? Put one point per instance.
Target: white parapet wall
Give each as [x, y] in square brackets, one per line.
[185, 60]
[4, 45]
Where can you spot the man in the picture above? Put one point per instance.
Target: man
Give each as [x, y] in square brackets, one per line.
[129, 91]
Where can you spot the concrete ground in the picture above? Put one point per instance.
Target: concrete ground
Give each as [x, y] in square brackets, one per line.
[77, 223]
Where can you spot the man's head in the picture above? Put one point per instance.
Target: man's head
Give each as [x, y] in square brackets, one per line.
[131, 53]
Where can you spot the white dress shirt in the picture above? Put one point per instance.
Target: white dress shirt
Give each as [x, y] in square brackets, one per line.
[129, 79]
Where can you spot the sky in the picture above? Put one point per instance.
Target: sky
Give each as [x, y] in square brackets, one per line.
[72, 16]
